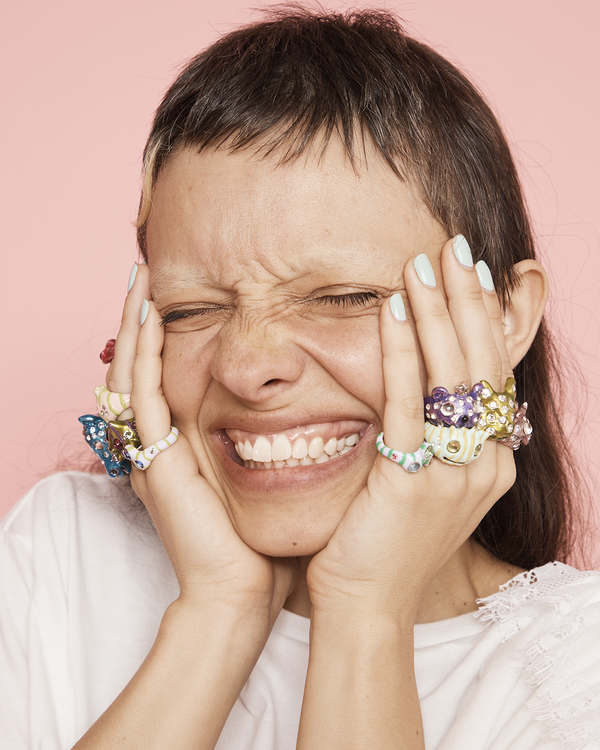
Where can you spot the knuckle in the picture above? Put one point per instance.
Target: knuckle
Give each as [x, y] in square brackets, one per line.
[406, 406]
[472, 295]
[495, 315]
[490, 364]
[437, 313]
[453, 378]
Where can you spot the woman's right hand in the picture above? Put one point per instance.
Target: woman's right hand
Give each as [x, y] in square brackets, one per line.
[209, 638]
[210, 560]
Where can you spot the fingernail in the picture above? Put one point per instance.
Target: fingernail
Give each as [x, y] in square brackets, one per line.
[132, 276]
[462, 251]
[424, 270]
[397, 307]
[484, 275]
[144, 312]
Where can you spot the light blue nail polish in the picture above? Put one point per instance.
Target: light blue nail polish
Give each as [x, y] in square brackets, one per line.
[462, 251]
[484, 275]
[424, 270]
[397, 307]
[132, 276]
[144, 312]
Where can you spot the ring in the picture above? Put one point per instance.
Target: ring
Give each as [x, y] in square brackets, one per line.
[108, 353]
[523, 430]
[498, 414]
[121, 433]
[462, 408]
[110, 404]
[95, 432]
[455, 446]
[142, 458]
[410, 462]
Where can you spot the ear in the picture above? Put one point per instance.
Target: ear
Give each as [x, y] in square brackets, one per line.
[525, 309]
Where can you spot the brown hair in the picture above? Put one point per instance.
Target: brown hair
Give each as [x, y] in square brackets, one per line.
[301, 77]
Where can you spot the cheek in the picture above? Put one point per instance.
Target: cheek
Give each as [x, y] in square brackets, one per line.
[350, 351]
[186, 375]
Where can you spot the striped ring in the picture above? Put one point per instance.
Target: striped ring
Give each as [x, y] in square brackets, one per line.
[455, 446]
[142, 458]
[410, 462]
[110, 404]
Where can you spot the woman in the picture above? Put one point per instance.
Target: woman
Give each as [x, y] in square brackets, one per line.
[313, 188]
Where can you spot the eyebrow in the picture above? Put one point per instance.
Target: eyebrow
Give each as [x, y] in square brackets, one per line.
[164, 281]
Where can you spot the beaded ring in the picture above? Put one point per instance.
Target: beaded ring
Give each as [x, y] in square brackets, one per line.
[459, 409]
[95, 433]
[523, 430]
[498, 414]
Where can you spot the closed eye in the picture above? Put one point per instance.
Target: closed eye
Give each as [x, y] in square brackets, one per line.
[355, 299]
[174, 315]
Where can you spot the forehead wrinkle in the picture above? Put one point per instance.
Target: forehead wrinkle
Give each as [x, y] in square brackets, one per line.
[324, 266]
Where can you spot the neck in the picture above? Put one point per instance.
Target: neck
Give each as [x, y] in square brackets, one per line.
[470, 574]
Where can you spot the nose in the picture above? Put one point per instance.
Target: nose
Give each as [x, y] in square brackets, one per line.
[257, 362]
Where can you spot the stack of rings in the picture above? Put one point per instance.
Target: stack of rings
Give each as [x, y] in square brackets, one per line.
[112, 434]
[458, 424]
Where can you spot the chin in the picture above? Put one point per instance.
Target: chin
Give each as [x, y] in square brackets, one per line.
[284, 510]
[287, 540]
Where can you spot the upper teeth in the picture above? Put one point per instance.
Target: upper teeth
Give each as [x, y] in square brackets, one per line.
[282, 450]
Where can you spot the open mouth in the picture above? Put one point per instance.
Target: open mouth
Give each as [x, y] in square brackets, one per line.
[304, 445]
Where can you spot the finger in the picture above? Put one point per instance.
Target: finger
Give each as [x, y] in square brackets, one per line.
[496, 318]
[152, 415]
[403, 419]
[119, 377]
[444, 361]
[173, 471]
[469, 314]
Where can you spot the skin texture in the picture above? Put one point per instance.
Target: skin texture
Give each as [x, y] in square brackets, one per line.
[277, 354]
[255, 252]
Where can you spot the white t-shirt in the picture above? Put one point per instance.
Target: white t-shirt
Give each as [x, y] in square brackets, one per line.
[84, 582]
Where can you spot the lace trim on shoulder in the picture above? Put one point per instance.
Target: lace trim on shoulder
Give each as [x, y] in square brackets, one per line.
[555, 586]
[562, 605]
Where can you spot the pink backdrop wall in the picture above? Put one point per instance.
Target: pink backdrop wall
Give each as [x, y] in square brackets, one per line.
[80, 82]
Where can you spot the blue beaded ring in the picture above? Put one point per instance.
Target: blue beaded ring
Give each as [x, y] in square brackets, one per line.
[410, 462]
[95, 432]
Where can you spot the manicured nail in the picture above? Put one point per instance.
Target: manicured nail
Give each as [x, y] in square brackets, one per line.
[144, 312]
[484, 275]
[424, 270]
[132, 276]
[462, 251]
[397, 307]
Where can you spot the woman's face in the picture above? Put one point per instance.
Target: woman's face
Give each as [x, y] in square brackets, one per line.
[270, 280]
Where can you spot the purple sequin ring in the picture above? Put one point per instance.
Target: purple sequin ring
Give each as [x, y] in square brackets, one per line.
[460, 409]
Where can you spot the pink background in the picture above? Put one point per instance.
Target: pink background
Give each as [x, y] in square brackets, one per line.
[80, 83]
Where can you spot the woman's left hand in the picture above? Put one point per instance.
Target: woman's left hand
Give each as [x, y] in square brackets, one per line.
[402, 528]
